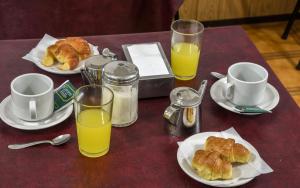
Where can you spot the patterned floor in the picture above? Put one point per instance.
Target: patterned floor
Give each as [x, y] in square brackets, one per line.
[281, 55]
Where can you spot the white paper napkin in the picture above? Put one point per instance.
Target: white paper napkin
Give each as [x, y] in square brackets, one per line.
[148, 59]
[37, 53]
[246, 171]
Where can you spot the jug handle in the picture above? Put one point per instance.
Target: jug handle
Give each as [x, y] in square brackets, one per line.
[170, 112]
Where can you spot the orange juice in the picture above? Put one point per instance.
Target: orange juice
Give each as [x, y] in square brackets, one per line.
[93, 131]
[184, 60]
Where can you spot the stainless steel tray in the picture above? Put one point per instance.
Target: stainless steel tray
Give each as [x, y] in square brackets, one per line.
[154, 86]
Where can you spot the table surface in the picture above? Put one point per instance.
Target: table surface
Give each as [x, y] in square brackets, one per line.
[144, 154]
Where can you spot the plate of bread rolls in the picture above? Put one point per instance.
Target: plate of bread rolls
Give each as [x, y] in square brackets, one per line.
[61, 56]
[219, 160]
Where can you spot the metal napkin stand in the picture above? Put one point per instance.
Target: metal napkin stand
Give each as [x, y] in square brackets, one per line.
[154, 86]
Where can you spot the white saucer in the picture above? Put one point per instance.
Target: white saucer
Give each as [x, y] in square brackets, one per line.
[269, 102]
[196, 141]
[10, 119]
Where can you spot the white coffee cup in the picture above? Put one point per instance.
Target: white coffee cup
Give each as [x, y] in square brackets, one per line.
[246, 84]
[32, 96]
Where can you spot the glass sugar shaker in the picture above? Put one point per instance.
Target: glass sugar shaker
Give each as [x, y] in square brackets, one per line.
[122, 77]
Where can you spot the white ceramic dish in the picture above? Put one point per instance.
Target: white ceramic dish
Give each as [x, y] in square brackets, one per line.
[197, 141]
[269, 102]
[10, 119]
[54, 69]
[37, 53]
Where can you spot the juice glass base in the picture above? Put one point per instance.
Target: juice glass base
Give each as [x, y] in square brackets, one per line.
[88, 154]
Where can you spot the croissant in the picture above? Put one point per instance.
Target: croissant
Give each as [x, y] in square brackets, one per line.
[210, 166]
[49, 59]
[67, 56]
[230, 151]
[79, 44]
[68, 52]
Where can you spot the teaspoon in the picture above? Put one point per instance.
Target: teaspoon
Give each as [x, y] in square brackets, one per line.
[107, 53]
[217, 75]
[59, 140]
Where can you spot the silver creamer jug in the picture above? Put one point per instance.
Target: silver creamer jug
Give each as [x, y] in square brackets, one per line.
[184, 112]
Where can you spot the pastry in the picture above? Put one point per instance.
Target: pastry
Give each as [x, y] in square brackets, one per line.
[210, 165]
[66, 56]
[79, 44]
[68, 52]
[230, 151]
[49, 59]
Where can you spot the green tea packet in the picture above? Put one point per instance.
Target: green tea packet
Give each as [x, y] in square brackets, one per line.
[63, 95]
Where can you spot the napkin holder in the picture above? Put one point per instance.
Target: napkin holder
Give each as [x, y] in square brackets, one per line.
[156, 85]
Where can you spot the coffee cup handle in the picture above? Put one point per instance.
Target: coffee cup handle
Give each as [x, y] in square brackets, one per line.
[228, 91]
[32, 109]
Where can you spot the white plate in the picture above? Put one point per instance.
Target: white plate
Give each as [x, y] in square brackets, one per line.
[36, 55]
[270, 100]
[197, 142]
[10, 119]
[54, 69]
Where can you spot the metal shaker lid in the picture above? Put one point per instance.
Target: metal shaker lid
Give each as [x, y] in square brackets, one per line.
[120, 72]
[96, 62]
[185, 97]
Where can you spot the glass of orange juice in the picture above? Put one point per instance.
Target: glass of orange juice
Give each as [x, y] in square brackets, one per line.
[186, 48]
[93, 111]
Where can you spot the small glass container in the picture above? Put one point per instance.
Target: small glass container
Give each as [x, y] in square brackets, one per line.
[122, 78]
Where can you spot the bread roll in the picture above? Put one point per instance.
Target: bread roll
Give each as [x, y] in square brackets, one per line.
[210, 166]
[230, 151]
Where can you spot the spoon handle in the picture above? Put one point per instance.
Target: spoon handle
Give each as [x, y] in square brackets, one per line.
[21, 146]
[217, 75]
[202, 89]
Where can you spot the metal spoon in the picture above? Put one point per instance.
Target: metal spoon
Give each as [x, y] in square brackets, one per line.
[202, 89]
[107, 53]
[61, 139]
[217, 75]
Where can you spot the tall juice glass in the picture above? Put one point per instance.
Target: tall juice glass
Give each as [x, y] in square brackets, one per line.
[186, 48]
[93, 110]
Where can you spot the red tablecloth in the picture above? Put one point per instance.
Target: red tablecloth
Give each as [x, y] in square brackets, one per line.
[144, 154]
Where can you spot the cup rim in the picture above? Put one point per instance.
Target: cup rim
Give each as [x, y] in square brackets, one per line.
[93, 85]
[249, 63]
[28, 74]
[187, 20]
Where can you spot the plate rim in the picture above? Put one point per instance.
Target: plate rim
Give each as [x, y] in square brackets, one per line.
[93, 48]
[68, 72]
[206, 182]
[68, 111]
[274, 102]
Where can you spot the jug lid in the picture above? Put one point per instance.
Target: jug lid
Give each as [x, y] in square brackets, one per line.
[185, 97]
[96, 62]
